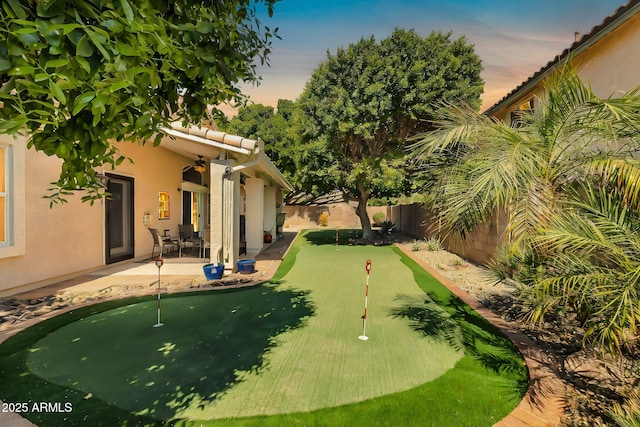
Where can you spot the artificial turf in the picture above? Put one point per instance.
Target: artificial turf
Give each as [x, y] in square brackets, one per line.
[284, 353]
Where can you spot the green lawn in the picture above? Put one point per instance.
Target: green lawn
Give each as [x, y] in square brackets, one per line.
[284, 353]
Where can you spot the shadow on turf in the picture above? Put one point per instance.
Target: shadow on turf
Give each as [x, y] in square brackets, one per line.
[450, 320]
[161, 377]
[328, 236]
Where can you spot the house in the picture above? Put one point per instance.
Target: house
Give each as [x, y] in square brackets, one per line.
[223, 184]
[607, 58]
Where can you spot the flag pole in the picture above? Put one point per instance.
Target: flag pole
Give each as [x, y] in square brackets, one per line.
[364, 336]
[159, 263]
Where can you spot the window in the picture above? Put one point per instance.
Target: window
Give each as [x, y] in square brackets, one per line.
[521, 114]
[163, 205]
[12, 196]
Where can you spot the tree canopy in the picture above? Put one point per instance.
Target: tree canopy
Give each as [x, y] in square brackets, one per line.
[79, 75]
[274, 127]
[362, 103]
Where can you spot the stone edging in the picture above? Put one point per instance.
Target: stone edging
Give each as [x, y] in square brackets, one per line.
[544, 402]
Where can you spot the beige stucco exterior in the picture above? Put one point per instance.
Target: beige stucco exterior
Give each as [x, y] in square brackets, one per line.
[69, 239]
[611, 65]
[609, 62]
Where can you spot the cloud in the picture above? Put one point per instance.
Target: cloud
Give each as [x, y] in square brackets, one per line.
[513, 39]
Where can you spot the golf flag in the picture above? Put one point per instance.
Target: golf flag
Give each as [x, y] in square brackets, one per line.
[364, 336]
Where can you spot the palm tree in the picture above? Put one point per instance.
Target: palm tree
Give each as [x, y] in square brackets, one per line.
[525, 170]
[536, 172]
[595, 267]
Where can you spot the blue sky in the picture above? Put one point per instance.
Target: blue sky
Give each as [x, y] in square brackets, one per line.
[513, 38]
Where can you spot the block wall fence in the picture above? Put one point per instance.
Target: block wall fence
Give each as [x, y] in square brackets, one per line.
[412, 219]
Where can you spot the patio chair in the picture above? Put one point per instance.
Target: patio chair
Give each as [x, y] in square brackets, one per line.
[160, 243]
[188, 238]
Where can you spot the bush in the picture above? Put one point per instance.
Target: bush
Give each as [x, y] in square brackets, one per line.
[627, 414]
[323, 219]
[433, 244]
[378, 218]
[387, 227]
[416, 245]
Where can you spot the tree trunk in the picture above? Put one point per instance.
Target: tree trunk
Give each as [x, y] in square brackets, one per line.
[361, 211]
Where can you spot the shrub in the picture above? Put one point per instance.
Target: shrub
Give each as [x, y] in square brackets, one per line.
[433, 244]
[387, 227]
[627, 414]
[416, 245]
[323, 219]
[378, 218]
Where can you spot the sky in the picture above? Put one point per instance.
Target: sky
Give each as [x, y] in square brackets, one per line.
[514, 39]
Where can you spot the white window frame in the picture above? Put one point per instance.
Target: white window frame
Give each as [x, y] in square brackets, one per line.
[15, 196]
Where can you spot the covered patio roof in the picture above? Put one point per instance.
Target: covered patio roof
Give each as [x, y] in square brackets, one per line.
[212, 144]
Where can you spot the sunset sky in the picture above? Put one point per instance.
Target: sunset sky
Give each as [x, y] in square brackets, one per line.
[513, 38]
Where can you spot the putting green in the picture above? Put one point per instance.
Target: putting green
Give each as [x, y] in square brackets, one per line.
[293, 347]
[324, 363]
[287, 347]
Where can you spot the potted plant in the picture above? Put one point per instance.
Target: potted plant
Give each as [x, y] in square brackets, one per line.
[213, 271]
[267, 236]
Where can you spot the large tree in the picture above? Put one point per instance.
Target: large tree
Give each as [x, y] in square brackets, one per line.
[362, 103]
[274, 127]
[78, 76]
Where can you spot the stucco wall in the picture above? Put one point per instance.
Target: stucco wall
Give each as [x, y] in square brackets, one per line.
[154, 169]
[612, 64]
[341, 215]
[68, 239]
[58, 240]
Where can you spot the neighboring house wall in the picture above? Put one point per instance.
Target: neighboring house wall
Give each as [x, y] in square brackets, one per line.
[606, 59]
[612, 64]
[609, 63]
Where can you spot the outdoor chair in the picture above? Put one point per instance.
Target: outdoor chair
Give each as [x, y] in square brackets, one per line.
[188, 238]
[161, 244]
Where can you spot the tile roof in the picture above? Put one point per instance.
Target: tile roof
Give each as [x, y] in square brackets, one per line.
[611, 22]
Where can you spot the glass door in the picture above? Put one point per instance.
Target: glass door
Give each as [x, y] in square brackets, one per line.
[119, 219]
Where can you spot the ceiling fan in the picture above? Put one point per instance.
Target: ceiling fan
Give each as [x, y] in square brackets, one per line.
[200, 164]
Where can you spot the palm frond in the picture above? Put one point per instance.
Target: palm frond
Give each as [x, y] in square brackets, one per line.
[623, 175]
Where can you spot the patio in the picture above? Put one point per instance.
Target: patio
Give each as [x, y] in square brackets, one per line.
[178, 274]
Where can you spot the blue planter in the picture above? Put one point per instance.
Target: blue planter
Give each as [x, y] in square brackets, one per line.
[213, 271]
[246, 266]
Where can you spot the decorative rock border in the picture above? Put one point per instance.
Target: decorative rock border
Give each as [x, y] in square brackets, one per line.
[543, 403]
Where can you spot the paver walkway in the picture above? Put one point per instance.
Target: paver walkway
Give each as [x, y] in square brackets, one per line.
[542, 405]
